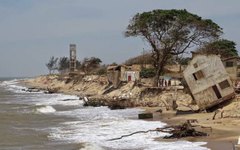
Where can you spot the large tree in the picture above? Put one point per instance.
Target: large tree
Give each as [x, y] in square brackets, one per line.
[222, 47]
[171, 32]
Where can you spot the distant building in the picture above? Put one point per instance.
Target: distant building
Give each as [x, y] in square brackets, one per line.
[124, 73]
[232, 66]
[208, 80]
[73, 58]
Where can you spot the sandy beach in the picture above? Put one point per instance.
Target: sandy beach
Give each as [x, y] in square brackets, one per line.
[223, 133]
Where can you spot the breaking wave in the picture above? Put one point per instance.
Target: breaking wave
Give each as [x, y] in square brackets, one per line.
[13, 85]
[46, 109]
[95, 126]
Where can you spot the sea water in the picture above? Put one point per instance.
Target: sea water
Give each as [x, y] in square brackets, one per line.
[38, 121]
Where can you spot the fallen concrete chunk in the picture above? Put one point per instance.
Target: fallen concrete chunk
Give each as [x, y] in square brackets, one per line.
[145, 116]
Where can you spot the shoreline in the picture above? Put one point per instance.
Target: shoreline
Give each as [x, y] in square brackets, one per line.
[224, 134]
[221, 137]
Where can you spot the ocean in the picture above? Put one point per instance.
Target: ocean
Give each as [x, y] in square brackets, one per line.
[38, 121]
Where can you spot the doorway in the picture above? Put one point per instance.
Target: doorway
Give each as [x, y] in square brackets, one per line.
[129, 78]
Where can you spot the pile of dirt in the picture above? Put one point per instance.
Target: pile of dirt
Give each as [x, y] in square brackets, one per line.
[127, 91]
[164, 98]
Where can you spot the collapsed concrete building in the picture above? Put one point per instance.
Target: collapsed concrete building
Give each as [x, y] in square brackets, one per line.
[208, 81]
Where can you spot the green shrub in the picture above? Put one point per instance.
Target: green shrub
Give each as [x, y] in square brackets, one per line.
[102, 71]
[147, 73]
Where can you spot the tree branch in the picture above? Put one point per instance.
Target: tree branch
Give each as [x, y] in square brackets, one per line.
[184, 130]
[156, 130]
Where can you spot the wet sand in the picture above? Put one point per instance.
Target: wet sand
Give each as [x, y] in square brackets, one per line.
[223, 133]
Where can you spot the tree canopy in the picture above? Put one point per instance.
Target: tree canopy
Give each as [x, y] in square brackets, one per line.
[52, 64]
[63, 64]
[222, 47]
[89, 64]
[171, 32]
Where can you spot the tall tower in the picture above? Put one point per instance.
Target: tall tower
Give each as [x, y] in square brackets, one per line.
[73, 58]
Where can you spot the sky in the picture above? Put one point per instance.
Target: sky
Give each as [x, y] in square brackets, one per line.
[31, 31]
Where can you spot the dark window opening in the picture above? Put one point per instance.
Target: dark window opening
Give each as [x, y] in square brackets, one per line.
[229, 64]
[198, 75]
[224, 84]
[216, 91]
[194, 76]
[195, 65]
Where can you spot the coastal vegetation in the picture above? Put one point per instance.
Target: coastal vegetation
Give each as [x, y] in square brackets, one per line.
[223, 47]
[147, 73]
[52, 64]
[170, 33]
[90, 65]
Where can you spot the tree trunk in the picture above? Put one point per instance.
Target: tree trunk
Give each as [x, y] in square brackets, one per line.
[160, 69]
[156, 78]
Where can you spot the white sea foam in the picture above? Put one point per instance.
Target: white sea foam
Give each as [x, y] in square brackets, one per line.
[99, 125]
[100, 113]
[39, 98]
[13, 85]
[99, 133]
[46, 109]
[57, 99]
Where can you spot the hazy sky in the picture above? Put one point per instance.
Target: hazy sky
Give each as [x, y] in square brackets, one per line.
[33, 30]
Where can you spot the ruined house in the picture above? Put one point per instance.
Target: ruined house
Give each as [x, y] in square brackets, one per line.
[208, 81]
[113, 75]
[121, 73]
[232, 66]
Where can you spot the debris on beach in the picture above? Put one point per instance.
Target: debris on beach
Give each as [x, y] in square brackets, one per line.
[184, 130]
[179, 131]
[145, 116]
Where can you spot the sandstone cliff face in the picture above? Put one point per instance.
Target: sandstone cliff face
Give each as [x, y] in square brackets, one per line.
[128, 94]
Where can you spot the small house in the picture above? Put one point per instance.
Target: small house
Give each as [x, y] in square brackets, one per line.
[208, 81]
[114, 74]
[232, 66]
[124, 73]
